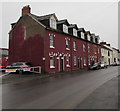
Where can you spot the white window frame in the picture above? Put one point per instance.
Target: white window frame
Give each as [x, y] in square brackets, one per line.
[82, 35]
[67, 44]
[53, 23]
[25, 33]
[52, 62]
[84, 48]
[65, 28]
[52, 41]
[84, 61]
[74, 32]
[67, 61]
[88, 36]
[75, 60]
[88, 48]
[74, 45]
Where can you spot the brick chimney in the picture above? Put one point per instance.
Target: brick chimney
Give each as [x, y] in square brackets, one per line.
[26, 10]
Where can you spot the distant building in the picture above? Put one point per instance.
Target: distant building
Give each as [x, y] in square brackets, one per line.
[3, 52]
[115, 56]
[55, 45]
[106, 53]
[3, 57]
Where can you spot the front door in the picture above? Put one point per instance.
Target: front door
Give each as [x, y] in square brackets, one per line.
[62, 64]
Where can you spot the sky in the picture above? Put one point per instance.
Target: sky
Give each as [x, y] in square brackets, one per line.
[100, 18]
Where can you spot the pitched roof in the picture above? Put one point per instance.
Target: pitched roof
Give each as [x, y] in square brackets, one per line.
[73, 26]
[81, 29]
[63, 21]
[39, 18]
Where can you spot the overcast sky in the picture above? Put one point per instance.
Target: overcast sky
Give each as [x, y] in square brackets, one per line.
[100, 18]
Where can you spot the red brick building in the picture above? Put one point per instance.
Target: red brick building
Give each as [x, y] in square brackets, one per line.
[53, 44]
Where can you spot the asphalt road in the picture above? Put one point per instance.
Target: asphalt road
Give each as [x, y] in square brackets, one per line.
[64, 91]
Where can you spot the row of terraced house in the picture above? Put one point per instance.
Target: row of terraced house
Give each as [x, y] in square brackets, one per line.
[55, 45]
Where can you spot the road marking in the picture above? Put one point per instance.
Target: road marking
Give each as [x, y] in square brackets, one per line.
[4, 74]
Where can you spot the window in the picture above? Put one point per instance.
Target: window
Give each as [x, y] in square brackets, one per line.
[74, 32]
[67, 61]
[82, 35]
[53, 23]
[88, 48]
[84, 49]
[88, 37]
[89, 60]
[84, 61]
[24, 33]
[65, 28]
[51, 41]
[75, 62]
[67, 44]
[74, 46]
[52, 62]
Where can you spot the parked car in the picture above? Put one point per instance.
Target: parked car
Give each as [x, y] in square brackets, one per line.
[19, 67]
[97, 65]
[94, 66]
[103, 65]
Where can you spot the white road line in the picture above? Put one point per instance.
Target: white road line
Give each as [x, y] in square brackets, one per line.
[4, 74]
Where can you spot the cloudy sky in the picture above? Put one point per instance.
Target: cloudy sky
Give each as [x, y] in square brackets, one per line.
[100, 18]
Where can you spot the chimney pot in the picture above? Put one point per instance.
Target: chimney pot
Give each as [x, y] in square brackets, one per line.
[26, 10]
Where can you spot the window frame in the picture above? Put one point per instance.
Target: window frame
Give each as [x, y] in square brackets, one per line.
[52, 41]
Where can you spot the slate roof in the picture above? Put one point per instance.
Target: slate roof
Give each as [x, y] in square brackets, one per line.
[73, 26]
[39, 18]
[63, 21]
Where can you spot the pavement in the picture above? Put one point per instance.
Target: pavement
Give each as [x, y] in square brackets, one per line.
[104, 97]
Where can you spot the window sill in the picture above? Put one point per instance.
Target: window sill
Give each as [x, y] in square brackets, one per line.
[67, 49]
[52, 47]
[52, 67]
[75, 50]
[67, 65]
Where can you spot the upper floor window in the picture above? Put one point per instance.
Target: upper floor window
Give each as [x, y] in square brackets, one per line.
[88, 48]
[24, 33]
[82, 35]
[53, 22]
[74, 46]
[84, 48]
[51, 41]
[67, 44]
[65, 28]
[74, 32]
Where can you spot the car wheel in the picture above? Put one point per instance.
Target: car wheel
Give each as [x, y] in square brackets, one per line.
[20, 71]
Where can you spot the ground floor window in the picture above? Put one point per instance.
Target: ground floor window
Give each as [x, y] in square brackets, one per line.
[67, 61]
[84, 61]
[52, 62]
[75, 61]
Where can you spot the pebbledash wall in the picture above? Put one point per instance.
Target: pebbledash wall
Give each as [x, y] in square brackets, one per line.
[35, 39]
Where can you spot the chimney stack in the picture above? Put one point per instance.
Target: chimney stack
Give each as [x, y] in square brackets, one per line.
[26, 10]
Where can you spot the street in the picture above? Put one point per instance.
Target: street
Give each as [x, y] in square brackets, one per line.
[66, 91]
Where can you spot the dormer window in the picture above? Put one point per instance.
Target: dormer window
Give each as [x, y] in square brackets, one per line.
[88, 37]
[53, 22]
[82, 35]
[74, 32]
[65, 28]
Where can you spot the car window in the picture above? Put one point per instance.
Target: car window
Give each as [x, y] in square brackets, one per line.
[29, 64]
[19, 64]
